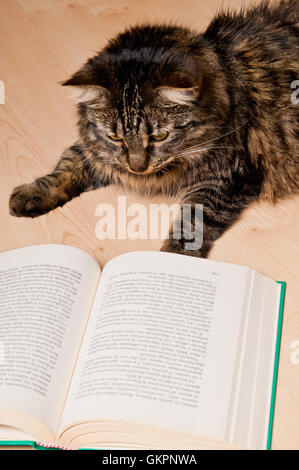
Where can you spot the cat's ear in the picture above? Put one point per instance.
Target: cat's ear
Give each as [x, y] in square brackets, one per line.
[174, 95]
[88, 85]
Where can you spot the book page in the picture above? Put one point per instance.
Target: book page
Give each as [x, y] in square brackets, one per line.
[251, 399]
[11, 434]
[264, 372]
[46, 294]
[160, 345]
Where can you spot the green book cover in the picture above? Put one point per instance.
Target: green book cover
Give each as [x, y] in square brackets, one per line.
[276, 362]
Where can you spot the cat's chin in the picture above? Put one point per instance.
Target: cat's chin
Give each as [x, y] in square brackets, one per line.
[151, 170]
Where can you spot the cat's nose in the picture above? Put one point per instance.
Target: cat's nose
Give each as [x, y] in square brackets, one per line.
[138, 162]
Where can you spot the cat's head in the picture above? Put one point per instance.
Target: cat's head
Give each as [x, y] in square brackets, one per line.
[146, 99]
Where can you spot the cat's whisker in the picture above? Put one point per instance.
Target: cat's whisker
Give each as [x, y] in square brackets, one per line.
[200, 148]
[230, 132]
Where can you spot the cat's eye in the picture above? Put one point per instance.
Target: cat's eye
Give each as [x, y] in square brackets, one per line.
[159, 137]
[114, 137]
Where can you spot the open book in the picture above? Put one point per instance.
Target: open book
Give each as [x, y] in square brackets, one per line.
[157, 351]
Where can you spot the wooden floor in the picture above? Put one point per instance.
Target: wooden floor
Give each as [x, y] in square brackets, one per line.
[42, 43]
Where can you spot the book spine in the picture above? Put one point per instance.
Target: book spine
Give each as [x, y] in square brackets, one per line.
[276, 362]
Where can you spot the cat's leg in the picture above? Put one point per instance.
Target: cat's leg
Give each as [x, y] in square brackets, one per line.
[221, 207]
[71, 176]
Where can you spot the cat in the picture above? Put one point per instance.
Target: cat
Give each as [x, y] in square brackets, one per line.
[206, 118]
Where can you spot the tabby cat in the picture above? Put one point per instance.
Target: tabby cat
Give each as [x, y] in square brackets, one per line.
[207, 118]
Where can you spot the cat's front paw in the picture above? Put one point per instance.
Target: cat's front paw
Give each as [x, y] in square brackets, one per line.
[27, 200]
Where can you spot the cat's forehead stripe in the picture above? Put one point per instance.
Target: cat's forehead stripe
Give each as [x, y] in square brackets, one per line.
[131, 104]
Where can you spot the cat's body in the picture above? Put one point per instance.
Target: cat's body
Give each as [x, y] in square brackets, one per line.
[206, 118]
